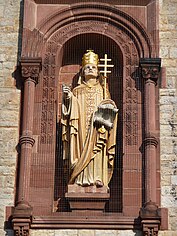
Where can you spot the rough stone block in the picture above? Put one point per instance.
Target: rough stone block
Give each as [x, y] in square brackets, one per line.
[164, 52]
[86, 233]
[165, 130]
[167, 201]
[167, 100]
[167, 233]
[1, 11]
[165, 180]
[169, 9]
[171, 71]
[167, 92]
[107, 233]
[130, 233]
[42, 233]
[173, 52]
[66, 232]
[9, 118]
[169, 62]
[174, 180]
[172, 81]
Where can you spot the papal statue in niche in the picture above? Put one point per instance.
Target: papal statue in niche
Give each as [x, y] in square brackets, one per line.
[89, 123]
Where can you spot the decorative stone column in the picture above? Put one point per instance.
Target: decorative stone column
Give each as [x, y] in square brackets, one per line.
[21, 217]
[150, 213]
[150, 73]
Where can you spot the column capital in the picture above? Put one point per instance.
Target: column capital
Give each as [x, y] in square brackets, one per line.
[30, 68]
[150, 68]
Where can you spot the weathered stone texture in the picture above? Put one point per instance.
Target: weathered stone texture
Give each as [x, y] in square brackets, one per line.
[168, 112]
[9, 117]
[167, 233]
[9, 104]
[84, 233]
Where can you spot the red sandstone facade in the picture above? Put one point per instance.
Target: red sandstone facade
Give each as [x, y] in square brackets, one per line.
[55, 36]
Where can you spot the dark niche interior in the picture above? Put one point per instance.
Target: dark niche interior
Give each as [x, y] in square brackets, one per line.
[73, 51]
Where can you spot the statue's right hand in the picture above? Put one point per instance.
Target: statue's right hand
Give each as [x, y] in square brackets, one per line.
[66, 92]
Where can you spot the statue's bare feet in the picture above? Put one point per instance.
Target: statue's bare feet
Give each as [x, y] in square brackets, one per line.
[99, 184]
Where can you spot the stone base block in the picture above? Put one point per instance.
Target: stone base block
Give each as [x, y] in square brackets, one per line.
[90, 199]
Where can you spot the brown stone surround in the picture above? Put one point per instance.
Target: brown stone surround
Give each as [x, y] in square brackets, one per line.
[114, 2]
[55, 35]
[88, 199]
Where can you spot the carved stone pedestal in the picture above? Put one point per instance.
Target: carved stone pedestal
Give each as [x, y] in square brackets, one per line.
[21, 218]
[150, 216]
[91, 199]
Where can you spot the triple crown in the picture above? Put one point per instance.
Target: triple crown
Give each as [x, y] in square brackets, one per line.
[90, 58]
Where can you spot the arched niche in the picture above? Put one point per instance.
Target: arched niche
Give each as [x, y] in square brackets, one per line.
[60, 40]
[62, 58]
[72, 53]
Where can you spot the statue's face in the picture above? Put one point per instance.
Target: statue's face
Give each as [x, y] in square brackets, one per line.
[90, 71]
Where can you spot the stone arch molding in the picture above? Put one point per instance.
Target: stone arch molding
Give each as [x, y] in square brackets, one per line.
[62, 35]
[84, 18]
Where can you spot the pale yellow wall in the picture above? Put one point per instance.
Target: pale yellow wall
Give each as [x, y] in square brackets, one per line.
[168, 110]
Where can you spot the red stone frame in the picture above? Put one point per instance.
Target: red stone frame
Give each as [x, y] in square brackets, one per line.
[43, 48]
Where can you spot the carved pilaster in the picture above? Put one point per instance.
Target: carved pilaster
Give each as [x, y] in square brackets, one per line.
[149, 214]
[30, 69]
[22, 214]
[150, 68]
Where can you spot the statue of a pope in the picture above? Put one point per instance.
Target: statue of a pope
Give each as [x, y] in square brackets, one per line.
[89, 122]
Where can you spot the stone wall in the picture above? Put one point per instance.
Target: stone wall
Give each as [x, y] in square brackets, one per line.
[10, 107]
[168, 111]
[85, 233]
[9, 103]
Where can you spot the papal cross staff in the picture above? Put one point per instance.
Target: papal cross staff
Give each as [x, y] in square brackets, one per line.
[105, 71]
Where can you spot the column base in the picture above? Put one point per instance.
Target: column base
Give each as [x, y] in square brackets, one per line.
[21, 218]
[153, 219]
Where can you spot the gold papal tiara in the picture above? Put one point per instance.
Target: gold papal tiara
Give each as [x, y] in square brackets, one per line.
[90, 58]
